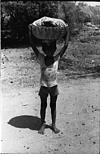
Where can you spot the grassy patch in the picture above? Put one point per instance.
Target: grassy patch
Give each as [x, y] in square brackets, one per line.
[83, 54]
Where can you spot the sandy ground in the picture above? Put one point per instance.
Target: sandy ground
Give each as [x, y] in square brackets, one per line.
[78, 111]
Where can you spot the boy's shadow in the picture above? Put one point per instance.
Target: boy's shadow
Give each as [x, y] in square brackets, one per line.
[26, 121]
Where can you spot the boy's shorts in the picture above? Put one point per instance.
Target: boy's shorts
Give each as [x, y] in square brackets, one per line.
[53, 91]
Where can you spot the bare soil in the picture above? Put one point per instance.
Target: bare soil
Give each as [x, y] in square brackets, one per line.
[78, 109]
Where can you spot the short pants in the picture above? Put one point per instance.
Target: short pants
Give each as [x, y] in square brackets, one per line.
[53, 91]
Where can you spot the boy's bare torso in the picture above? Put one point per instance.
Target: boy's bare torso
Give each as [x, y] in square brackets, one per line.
[48, 73]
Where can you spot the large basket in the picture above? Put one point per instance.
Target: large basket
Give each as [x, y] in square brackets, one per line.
[55, 32]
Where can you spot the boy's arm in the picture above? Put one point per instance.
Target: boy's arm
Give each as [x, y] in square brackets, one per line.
[31, 41]
[64, 47]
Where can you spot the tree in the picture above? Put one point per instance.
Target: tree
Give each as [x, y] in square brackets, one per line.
[67, 13]
[17, 15]
[48, 8]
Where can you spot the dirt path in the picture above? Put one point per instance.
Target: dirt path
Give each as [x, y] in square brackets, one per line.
[78, 111]
[77, 117]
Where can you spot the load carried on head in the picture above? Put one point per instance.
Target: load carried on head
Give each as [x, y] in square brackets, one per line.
[48, 28]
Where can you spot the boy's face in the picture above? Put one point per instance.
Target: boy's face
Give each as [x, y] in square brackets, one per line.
[49, 47]
[49, 60]
[48, 53]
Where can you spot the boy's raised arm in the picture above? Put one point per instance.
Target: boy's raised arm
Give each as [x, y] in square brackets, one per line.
[31, 41]
[65, 45]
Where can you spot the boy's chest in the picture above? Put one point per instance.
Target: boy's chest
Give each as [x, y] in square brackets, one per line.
[49, 73]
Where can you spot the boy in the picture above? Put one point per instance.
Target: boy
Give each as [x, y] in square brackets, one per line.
[48, 81]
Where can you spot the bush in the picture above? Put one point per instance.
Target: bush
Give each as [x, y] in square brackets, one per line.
[16, 16]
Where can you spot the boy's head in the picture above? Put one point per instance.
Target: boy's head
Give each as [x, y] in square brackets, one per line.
[49, 47]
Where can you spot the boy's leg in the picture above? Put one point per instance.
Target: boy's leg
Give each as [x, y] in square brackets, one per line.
[42, 113]
[43, 108]
[53, 100]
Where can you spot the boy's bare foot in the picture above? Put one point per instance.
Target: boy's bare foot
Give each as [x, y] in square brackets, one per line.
[41, 130]
[55, 130]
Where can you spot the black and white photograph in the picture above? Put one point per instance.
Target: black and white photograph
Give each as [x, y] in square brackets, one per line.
[50, 77]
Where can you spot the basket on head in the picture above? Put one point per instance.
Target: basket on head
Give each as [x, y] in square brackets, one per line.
[49, 28]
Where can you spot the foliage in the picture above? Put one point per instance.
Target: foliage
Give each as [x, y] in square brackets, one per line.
[96, 15]
[67, 10]
[74, 15]
[17, 15]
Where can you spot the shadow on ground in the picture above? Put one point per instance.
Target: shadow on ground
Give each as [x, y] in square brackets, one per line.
[25, 121]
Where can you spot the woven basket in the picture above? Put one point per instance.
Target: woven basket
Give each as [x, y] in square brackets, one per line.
[55, 32]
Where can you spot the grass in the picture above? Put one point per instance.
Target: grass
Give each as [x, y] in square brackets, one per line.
[83, 54]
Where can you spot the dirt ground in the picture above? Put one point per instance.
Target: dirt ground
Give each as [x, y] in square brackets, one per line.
[78, 110]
